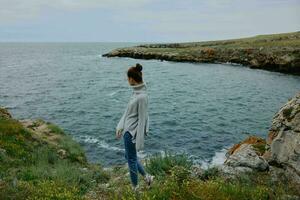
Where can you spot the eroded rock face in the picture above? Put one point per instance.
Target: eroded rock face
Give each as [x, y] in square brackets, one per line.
[283, 142]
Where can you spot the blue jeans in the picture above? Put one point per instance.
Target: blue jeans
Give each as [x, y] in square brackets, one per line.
[131, 156]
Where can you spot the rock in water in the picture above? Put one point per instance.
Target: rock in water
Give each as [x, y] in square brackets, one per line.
[283, 143]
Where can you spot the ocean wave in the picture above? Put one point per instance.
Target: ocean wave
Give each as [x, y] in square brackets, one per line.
[217, 160]
[113, 93]
[90, 140]
[142, 154]
[105, 145]
[11, 107]
[100, 143]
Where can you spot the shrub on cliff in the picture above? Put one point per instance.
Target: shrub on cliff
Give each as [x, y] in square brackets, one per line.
[161, 164]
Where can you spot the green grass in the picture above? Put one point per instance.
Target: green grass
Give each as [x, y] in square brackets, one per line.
[180, 185]
[31, 167]
[210, 173]
[161, 165]
[260, 148]
[175, 181]
[75, 152]
[43, 189]
[13, 138]
[55, 129]
[272, 40]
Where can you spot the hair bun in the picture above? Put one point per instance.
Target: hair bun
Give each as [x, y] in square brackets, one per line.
[138, 67]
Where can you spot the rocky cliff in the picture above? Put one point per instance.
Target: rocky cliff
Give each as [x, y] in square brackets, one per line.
[277, 52]
[279, 154]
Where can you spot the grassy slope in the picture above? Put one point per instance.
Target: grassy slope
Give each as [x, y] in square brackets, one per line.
[272, 40]
[42, 162]
[175, 178]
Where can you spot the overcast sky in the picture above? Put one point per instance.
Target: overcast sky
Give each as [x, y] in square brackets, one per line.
[144, 20]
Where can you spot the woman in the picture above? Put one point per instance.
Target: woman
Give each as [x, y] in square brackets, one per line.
[134, 125]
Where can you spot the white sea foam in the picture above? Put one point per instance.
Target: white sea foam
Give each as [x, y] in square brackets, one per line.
[142, 154]
[104, 145]
[101, 144]
[113, 93]
[91, 140]
[217, 160]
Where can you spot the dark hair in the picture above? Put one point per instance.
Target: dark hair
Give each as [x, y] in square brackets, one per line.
[135, 72]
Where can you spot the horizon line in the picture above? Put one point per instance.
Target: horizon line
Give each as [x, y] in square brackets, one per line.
[242, 37]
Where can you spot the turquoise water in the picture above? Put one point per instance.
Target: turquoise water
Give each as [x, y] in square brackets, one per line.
[199, 109]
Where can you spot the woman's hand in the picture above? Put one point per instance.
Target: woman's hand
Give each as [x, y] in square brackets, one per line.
[119, 133]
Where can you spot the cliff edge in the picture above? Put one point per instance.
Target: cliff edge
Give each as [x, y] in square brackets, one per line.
[276, 52]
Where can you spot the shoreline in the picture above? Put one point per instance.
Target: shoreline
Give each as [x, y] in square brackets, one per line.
[277, 52]
[40, 161]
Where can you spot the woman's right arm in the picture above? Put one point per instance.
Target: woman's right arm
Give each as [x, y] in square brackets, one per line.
[121, 122]
[120, 126]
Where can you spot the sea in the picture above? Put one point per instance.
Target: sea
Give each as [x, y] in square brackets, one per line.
[196, 109]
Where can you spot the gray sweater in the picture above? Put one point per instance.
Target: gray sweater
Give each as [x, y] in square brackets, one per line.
[135, 118]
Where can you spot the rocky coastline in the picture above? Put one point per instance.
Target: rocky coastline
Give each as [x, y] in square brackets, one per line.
[28, 148]
[279, 154]
[276, 52]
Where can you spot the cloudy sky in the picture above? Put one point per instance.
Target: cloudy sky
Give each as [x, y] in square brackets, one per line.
[144, 20]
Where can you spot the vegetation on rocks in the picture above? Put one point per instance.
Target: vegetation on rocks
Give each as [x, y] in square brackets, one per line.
[276, 52]
[181, 181]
